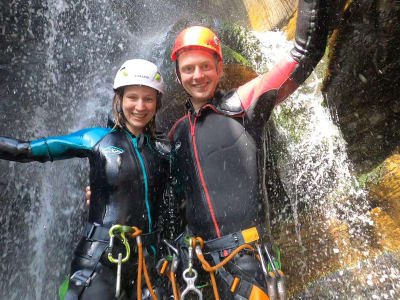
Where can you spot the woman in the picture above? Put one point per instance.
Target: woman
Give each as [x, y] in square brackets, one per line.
[127, 177]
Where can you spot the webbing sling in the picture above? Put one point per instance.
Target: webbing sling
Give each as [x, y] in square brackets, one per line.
[95, 232]
[232, 241]
[81, 278]
[244, 287]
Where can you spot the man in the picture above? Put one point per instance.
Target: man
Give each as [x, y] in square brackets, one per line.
[217, 143]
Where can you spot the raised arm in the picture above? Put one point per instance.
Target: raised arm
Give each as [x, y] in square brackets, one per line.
[310, 41]
[78, 144]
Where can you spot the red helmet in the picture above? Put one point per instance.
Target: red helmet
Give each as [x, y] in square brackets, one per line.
[197, 37]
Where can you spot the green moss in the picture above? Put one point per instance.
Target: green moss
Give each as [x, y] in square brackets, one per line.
[372, 177]
[244, 43]
[289, 119]
[231, 56]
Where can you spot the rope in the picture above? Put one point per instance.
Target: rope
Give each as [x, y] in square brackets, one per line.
[199, 244]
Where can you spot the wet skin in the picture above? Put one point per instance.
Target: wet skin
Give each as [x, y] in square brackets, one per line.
[139, 107]
[199, 75]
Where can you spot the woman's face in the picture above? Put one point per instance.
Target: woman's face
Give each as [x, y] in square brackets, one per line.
[139, 107]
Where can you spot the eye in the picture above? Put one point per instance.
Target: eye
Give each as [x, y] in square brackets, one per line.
[206, 67]
[132, 97]
[187, 69]
[149, 99]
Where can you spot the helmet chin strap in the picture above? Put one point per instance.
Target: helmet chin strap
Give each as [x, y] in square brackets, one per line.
[177, 73]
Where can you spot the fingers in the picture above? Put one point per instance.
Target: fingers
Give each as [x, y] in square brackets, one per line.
[87, 195]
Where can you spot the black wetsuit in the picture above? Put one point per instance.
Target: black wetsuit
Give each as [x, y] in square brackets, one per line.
[218, 149]
[127, 178]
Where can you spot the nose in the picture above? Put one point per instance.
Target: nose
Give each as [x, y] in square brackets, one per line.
[198, 73]
[140, 105]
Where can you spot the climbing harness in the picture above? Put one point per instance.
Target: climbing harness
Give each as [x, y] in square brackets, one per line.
[134, 232]
[81, 279]
[105, 237]
[227, 247]
[249, 240]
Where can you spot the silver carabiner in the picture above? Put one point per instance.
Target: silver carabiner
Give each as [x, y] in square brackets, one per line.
[190, 286]
[118, 282]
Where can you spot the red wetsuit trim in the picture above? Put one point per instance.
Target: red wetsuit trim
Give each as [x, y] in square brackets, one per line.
[172, 131]
[210, 207]
[276, 79]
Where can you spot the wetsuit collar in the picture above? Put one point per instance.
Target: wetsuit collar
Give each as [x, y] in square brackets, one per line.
[189, 105]
[140, 139]
[225, 103]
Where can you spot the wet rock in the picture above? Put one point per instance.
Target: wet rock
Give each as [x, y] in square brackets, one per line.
[267, 15]
[385, 189]
[363, 78]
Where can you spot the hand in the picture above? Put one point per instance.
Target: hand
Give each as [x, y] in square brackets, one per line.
[87, 195]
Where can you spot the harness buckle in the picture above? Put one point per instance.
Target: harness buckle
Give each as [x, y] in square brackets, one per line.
[235, 238]
[91, 231]
[79, 278]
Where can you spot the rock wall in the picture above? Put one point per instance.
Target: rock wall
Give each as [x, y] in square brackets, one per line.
[352, 255]
[362, 86]
[267, 15]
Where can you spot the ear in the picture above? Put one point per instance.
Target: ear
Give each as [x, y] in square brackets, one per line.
[119, 107]
[219, 69]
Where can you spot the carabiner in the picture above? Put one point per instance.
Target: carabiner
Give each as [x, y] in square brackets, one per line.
[121, 230]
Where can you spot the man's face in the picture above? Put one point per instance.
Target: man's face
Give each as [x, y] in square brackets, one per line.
[199, 75]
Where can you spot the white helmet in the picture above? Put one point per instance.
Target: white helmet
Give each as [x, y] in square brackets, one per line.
[139, 72]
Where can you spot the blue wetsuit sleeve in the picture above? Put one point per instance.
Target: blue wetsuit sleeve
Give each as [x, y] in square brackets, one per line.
[77, 144]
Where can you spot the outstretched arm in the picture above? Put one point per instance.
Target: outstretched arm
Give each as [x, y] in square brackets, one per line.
[78, 144]
[310, 41]
[15, 150]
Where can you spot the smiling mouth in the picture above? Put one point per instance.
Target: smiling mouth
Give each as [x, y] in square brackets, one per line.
[139, 116]
[200, 86]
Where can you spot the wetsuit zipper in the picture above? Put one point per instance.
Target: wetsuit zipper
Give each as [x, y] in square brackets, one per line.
[146, 186]
[210, 207]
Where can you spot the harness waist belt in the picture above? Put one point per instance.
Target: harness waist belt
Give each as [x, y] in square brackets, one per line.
[234, 240]
[97, 232]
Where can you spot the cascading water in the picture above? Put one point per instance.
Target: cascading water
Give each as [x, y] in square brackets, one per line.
[57, 66]
[320, 190]
[59, 63]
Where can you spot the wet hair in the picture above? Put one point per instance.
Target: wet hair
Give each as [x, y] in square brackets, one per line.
[119, 117]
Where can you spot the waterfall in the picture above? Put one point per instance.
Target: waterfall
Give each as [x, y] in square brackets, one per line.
[59, 67]
[321, 197]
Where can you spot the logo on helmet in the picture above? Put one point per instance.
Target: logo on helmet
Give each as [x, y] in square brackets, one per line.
[157, 76]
